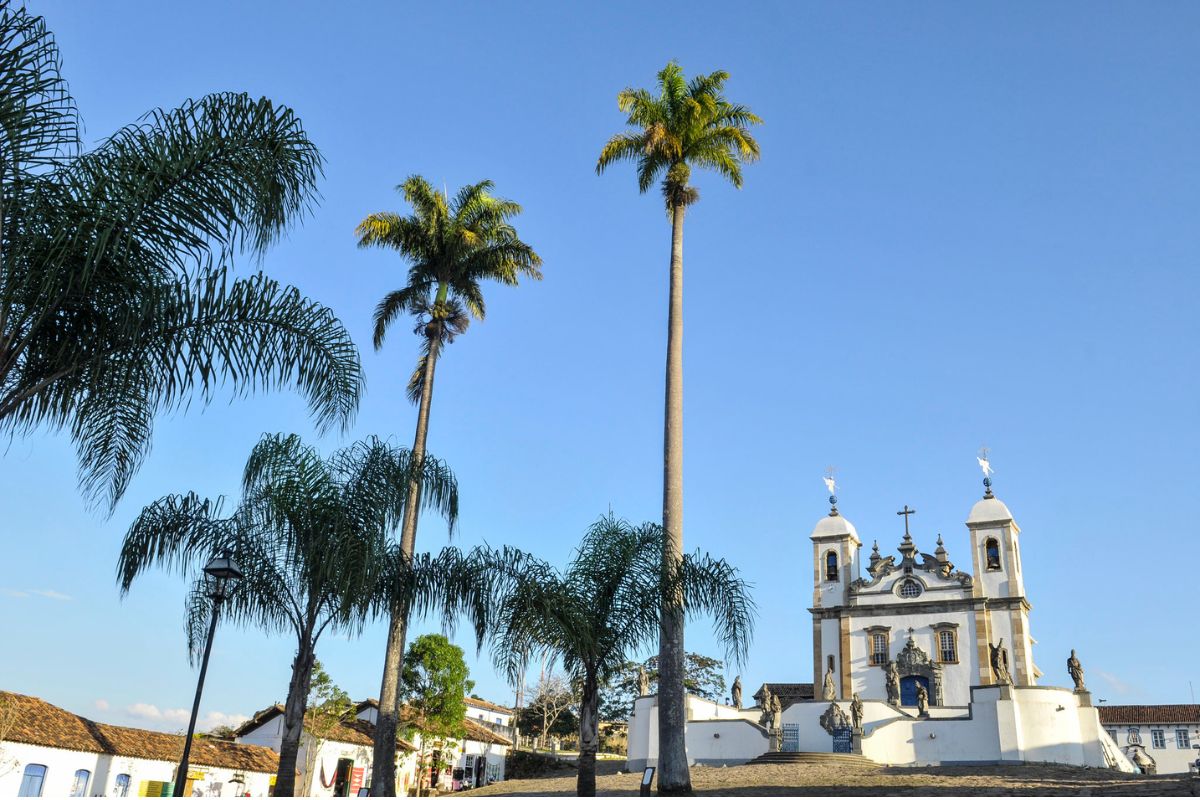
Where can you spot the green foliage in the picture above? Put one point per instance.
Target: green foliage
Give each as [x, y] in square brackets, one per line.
[688, 123]
[451, 247]
[328, 704]
[703, 676]
[434, 684]
[116, 299]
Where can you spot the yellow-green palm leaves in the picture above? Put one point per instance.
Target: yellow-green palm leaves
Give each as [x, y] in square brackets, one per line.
[689, 123]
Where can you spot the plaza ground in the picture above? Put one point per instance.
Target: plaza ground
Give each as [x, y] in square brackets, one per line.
[808, 779]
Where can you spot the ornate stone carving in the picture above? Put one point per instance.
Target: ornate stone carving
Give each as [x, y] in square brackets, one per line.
[834, 718]
[999, 659]
[776, 711]
[1076, 671]
[737, 692]
[922, 701]
[915, 661]
[892, 681]
[828, 687]
[856, 713]
[767, 719]
[643, 682]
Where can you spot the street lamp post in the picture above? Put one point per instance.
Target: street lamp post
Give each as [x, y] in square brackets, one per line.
[222, 569]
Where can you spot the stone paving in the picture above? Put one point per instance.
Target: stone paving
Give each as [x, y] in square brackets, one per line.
[819, 779]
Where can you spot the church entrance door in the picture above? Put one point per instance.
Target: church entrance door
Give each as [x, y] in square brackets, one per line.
[908, 688]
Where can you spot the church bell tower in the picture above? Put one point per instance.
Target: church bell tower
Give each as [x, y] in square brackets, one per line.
[836, 564]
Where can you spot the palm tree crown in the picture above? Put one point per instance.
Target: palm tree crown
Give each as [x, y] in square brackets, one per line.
[689, 123]
[605, 607]
[116, 300]
[311, 536]
[451, 246]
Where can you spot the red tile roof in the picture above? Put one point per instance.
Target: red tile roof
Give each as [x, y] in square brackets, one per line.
[475, 731]
[350, 731]
[475, 701]
[1149, 715]
[37, 722]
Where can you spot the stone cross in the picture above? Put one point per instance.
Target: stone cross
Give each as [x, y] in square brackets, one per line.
[905, 513]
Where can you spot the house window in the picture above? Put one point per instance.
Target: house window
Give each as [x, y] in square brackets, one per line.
[910, 589]
[121, 787]
[1112, 733]
[1182, 740]
[947, 646]
[831, 566]
[32, 780]
[879, 648]
[992, 549]
[1158, 739]
[79, 787]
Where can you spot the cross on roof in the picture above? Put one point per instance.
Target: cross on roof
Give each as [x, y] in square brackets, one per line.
[905, 513]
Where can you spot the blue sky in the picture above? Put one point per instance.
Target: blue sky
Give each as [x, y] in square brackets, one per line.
[971, 224]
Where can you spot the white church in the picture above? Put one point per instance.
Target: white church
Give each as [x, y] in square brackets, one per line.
[915, 662]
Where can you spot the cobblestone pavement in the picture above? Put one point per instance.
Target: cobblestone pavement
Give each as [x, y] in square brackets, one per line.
[810, 779]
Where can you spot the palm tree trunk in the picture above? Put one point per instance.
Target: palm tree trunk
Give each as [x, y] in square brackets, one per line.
[589, 737]
[383, 765]
[293, 720]
[673, 775]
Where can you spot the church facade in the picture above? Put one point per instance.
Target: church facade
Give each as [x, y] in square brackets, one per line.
[915, 661]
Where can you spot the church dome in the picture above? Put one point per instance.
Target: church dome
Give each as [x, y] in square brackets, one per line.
[989, 509]
[834, 526]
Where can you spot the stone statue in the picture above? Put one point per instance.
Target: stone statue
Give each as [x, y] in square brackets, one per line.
[1076, 670]
[776, 711]
[643, 681]
[834, 718]
[922, 700]
[892, 680]
[829, 689]
[767, 720]
[737, 692]
[1000, 663]
[856, 713]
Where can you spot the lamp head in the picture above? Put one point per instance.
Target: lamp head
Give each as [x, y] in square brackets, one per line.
[223, 568]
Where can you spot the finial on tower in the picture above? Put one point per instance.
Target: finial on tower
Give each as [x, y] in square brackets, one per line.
[986, 466]
[831, 485]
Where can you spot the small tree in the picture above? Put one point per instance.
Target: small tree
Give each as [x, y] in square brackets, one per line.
[552, 696]
[702, 676]
[434, 685]
[328, 706]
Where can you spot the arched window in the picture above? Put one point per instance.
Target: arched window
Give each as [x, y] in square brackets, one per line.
[32, 780]
[991, 549]
[80, 786]
[831, 566]
[121, 787]
[910, 589]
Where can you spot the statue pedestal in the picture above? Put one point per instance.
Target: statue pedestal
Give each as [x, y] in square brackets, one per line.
[773, 740]
[1085, 697]
[1005, 691]
[856, 742]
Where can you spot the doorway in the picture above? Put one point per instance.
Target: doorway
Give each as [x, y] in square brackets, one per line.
[908, 688]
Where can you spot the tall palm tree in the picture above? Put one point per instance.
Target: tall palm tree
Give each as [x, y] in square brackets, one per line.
[604, 608]
[689, 123]
[116, 300]
[451, 246]
[312, 536]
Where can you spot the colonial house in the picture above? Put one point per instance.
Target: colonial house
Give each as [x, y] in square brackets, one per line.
[334, 760]
[915, 661]
[46, 751]
[474, 760]
[1160, 739]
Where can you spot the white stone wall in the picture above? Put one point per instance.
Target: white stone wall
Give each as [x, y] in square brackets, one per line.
[62, 764]
[957, 678]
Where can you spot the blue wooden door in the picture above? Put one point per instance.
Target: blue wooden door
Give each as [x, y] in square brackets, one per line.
[908, 688]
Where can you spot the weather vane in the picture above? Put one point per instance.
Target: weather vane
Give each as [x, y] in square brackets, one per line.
[986, 466]
[831, 485]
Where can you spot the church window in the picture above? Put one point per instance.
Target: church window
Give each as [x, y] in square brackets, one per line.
[910, 589]
[948, 646]
[1158, 739]
[1182, 741]
[992, 549]
[831, 566]
[879, 649]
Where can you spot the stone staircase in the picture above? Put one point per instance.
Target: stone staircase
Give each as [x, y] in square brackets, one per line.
[843, 759]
